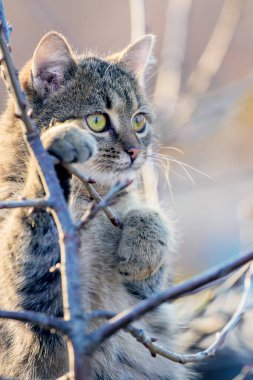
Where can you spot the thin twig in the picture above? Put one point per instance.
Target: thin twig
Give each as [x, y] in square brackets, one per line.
[212, 107]
[218, 342]
[210, 60]
[40, 319]
[128, 316]
[168, 80]
[214, 293]
[217, 47]
[94, 207]
[94, 194]
[137, 18]
[100, 314]
[6, 27]
[34, 203]
[246, 371]
[156, 348]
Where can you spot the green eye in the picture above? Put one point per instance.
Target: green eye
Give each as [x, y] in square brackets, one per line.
[96, 122]
[139, 123]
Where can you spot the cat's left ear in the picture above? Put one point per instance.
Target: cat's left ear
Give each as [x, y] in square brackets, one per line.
[139, 55]
[50, 62]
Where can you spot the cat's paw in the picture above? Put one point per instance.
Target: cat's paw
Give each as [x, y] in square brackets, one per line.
[144, 245]
[69, 143]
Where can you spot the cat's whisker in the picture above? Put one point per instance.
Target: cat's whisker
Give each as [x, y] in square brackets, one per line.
[164, 167]
[172, 148]
[169, 159]
[184, 169]
[183, 164]
[193, 168]
[169, 169]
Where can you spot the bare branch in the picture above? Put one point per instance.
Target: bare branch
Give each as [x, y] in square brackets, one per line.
[75, 321]
[246, 371]
[68, 234]
[212, 349]
[94, 194]
[210, 60]
[168, 80]
[137, 17]
[40, 319]
[196, 283]
[34, 203]
[214, 293]
[217, 47]
[212, 108]
[94, 208]
[101, 314]
[5, 26]
[155, 348]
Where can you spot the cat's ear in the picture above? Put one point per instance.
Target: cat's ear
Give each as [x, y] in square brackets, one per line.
[50, 61]
[138, 56]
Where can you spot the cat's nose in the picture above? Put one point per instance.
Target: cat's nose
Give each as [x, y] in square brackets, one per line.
[133, 153]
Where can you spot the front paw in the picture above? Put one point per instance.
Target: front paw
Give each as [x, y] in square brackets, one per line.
[69, 143]
[144, 245]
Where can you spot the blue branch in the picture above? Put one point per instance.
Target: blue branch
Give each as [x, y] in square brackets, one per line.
[5, 27]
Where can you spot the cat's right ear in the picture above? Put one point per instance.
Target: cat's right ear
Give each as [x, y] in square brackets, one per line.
[52, 57]
[139, 55]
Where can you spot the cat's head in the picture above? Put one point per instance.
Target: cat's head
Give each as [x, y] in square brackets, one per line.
[105, 95]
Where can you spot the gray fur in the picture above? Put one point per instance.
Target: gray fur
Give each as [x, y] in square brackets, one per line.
[115, 266]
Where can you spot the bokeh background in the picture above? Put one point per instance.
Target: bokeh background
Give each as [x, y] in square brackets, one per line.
[202, 89]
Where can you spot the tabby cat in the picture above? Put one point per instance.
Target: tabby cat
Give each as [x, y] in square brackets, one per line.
[91, 111]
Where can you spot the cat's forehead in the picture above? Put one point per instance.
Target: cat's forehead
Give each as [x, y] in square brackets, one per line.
[95, 86]
[110, 84]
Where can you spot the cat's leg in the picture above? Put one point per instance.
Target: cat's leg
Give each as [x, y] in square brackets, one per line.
[29, 248]
[70, 144]
[144, 252]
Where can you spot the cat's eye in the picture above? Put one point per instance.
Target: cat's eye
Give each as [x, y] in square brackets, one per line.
[97, 122]
[139, 123]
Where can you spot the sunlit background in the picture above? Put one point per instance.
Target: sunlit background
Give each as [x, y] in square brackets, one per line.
[202, 88]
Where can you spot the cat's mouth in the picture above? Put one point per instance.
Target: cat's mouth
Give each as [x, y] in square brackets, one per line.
[120, 167]
[106, 170]
[130, 166]
[107, 173]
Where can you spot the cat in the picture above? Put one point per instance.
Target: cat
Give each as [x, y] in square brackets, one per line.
[91, 111]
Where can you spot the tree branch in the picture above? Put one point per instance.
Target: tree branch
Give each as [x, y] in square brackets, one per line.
[168, 81]
[103, 204]
[210, 60]
[75, 321]
[68, 233]
[40, 319]
[155, 348]
[122, 319]
[212, 349]
[5, 26]
[94, 194]
[34, 203]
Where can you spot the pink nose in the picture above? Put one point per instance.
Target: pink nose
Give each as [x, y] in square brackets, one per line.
[133, 153]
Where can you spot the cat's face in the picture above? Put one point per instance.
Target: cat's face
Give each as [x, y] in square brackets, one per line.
[104, 96]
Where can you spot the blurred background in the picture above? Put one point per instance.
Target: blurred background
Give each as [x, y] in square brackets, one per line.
[202, 89]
